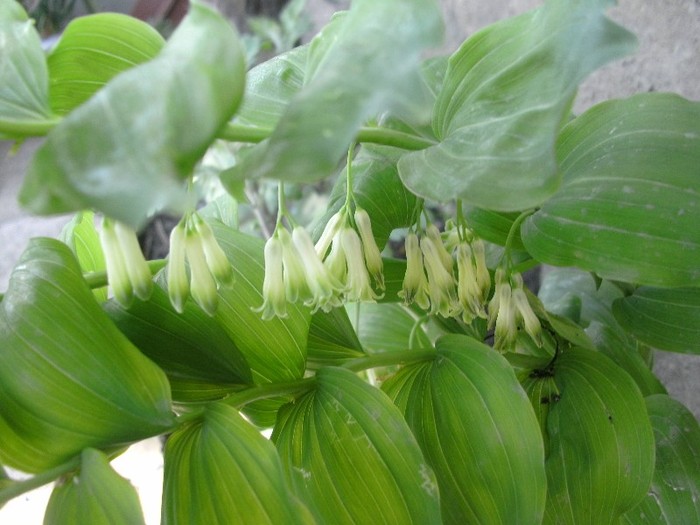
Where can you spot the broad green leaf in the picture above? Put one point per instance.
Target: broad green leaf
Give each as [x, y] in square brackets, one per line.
[92, 50]
[493, 226]
[68, 378]
[274, 349]
[601, 445]
[348, 82]
[567, 291]
[629, 205]
[222, 471]
[386, 327]
[351, 455]
[128, 149]
[97, 495]
[24, 83]
[394, 272]
[478, 432]
[193, 349]
[378, 189]
[82, 238]
[507, 91]
[674, 496]
[332, 339]
[665, 318]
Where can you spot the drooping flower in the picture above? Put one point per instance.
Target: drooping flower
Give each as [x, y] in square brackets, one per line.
[468, 290]
[441, 284]
[127, 270]
[178, 283]
[526, 316]
[373, 257]
[274, 295]
[506, 330]
[483, 278]
[202, 283]
[322, 286]
[415, 283]
[358, 283]
[218, 263]
[294, 276]
[510, 310]
[434, 235]
[329, 232]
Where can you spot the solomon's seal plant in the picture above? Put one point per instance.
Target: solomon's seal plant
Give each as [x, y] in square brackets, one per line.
[407, 373]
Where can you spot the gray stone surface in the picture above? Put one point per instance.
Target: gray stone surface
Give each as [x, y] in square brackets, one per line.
[668, 60]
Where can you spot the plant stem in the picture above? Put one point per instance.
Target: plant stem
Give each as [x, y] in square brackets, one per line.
[515, 228]
[240, 399]
[389, 358]
[20, 487]
[99, 279]
[27, 128]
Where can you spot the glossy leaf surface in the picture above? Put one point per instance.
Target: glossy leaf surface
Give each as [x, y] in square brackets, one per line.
[478, 432]
[97, 495]
[68, 378]
[601, 445]
[222, 470]
[332, 338]
[351, 455]
[385, 327]
[126, 151]
[674, 496]
[629, 205]
[192, 348]
[665, 318]
[24, 83]
[92, 50]
[506, 93]
[346, 83]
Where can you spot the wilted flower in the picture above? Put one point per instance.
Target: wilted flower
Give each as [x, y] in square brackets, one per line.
[127, 269]
[274, 297]
[415, 284]
[373, 257]
[441, 285]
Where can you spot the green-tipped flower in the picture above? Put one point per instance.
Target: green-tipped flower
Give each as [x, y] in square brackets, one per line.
[329, 232]
[178, 283]
[525, 315]
[203, 285]
[483, 278]
[506, 329]
[441, 285]
[415, 284]
[358, 283]
[274, 297]
[294, 276]
[336, 263]
[468, 291]
[116, 265]
[136, 266]
[323, 287]
[434, 235]
[373, 257]
[218, 263]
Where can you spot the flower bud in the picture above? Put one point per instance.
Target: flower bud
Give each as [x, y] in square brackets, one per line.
[274, 300]
[178, 283]
[373, 257]
[116, 266]
[415, 284]
[218, 263]
[329, 232]
[322, 285]
[136, 266]
[202, 286]
[358, 285]
[441, 286]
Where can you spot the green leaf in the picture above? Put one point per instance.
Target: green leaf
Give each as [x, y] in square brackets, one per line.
[629, 206]
[97, 495]
[568, 291]
[674, 496]
[68, 378]
[507, 91]
[388, 327]
[332, 339]
[222, 470]
[24, 84]
[82, 238]
[346, 83]
[378, 189]
[493, 226]
[601, 453]
[665, 318]
[351, 455]
[274, 349]
[193, 349]
[478, 432]
[92, 50]
[126, 151]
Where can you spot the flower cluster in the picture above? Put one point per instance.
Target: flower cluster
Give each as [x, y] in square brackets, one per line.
[193, 241]
[510, 310]
[127, 270]
[339, 267]
[431, 281]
